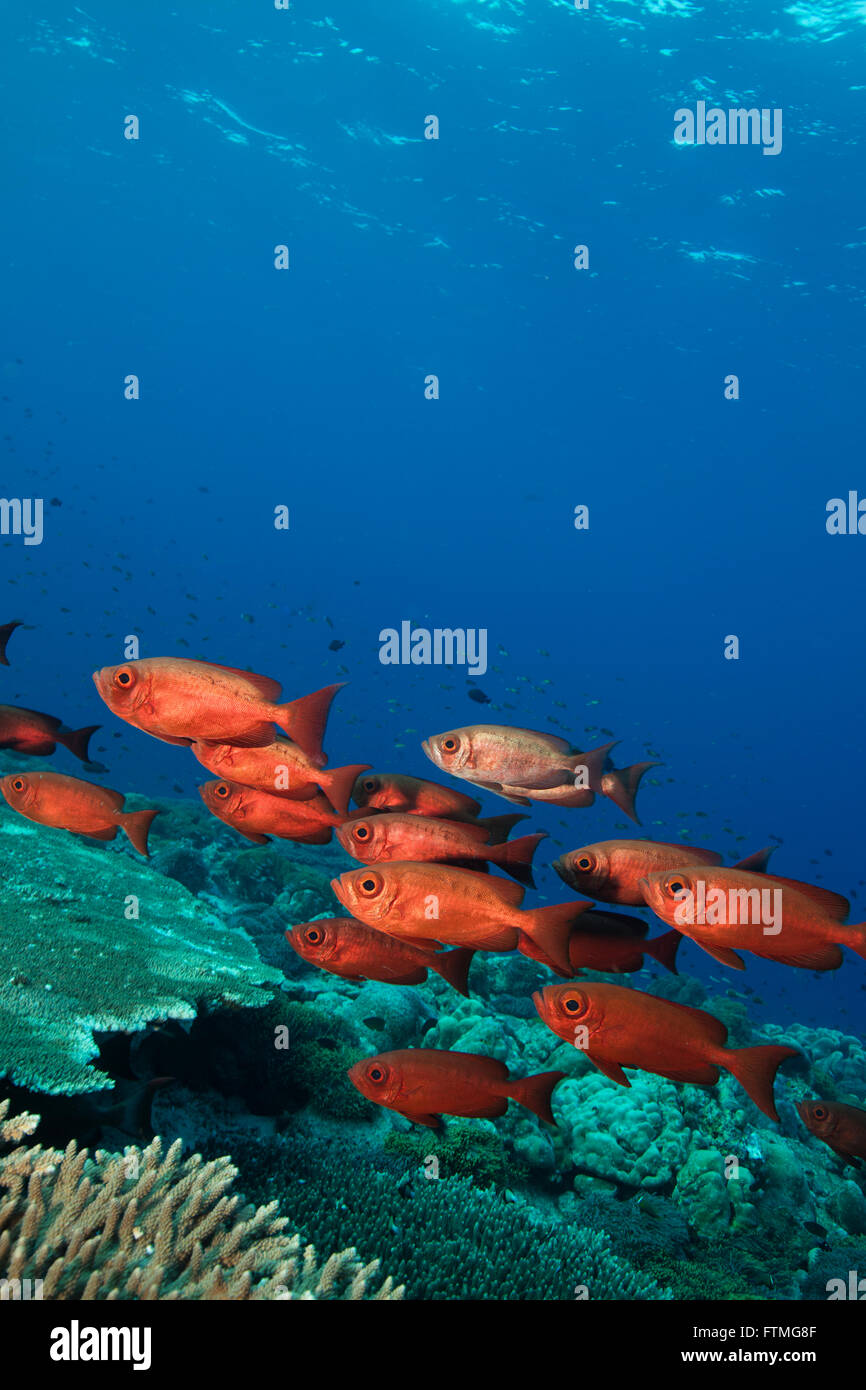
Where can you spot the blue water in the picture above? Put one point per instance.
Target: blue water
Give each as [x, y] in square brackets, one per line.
[558, 387]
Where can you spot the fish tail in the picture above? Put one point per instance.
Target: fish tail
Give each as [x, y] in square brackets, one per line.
[534, 1093]
[755, 1068]
[756, 863]
[6, 631]
[621, 785]
[548, 929]
[515, 857]
[338, 782]
[304, 720]
[137, 824]
[500, 827]
[591, 765]
[855, 938]
[453, 966]
[664, 949]
[76, 740]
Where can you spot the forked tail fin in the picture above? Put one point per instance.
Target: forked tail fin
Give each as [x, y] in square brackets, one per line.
[453, 966]
[6, 631]
[534, 1092]
[515, 857]
[548, 930]
[304, 720]
[755, 1068]
[621, 785]
[137, 824]
[76, 740]
[337, 784]
[664, 949]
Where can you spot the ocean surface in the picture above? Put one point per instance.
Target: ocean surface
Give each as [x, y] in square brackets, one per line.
[556, 388]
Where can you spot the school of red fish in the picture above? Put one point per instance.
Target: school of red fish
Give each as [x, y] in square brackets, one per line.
[425, 898]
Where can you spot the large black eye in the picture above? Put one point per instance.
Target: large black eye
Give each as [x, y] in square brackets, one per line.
[314, 936]
[123, 677]
[572, 1006]
[584, 863]
[18, 785]
[369, 885]
[222, 790]
[675, 886]
[820, 1112]
[361, 832]
[369, 785]
[449, 744]
[376, 1074]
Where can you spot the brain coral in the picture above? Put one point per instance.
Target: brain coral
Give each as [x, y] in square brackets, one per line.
[75, 958]
[636, 1137]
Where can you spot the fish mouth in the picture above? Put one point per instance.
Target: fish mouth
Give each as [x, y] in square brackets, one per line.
[646, 888]
[540, 1006]
[339, 893]
[425, 744]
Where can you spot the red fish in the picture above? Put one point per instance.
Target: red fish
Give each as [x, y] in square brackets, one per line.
[6, 631]
[611, 870]
[422, 1085]
[68, 803]
[618, 1027]
[395, 792]
[184, 701]
[281, 769]
[395, 835]
[616, 943]
[28, 731]
[258, 815]
[842, 1127]
[432, 903]
[347, 948]
[779, 919]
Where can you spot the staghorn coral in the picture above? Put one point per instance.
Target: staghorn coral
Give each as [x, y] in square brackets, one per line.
[144, 1225]
[73, 961]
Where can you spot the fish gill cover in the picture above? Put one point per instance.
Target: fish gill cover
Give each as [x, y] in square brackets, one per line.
[431, 665]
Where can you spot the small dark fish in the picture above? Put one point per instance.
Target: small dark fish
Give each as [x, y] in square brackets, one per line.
[478, 696]
[56, 502]
[814, 1228]
[335, 645]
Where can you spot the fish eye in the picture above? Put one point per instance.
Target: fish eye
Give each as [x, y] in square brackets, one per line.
[584, 862]
[573, 1004]
[369, 785]
[361, 832]
[675, 886]
[820, 1112]
[368, 885]
[449, 745]
[18, 785]
[314, 936]
[376, 1073]
[124, 677]
[222, 790]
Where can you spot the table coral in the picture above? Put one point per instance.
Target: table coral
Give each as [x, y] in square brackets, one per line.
[74, 961]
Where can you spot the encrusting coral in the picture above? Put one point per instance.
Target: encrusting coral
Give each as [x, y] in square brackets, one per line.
[147, 1225]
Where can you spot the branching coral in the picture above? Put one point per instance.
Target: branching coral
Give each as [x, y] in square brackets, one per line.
[149, 1225]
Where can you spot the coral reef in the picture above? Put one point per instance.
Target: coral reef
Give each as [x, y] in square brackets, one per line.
[147, 1225]
[74, 961]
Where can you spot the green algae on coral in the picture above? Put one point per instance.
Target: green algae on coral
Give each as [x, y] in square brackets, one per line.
[75, 959]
